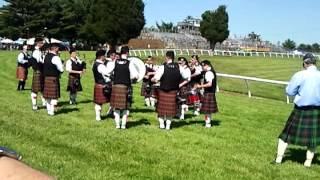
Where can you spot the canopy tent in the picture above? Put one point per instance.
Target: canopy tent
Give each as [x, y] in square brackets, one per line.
[20, 41]
[52, 40]
[6, 41]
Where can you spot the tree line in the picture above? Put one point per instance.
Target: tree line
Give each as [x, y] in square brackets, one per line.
[291, 45]
[92, 21]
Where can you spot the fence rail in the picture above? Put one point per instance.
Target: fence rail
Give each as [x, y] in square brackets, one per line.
[247, 79]
[188, 52]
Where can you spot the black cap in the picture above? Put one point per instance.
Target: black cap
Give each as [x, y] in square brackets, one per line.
[72, 50]
[309, 58]
[206, 62]
[111, 51]
[124, 50]
[100, 53]
[54, 45]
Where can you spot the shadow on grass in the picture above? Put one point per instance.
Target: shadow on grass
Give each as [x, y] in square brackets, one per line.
[181, 123]
[63, 103]
[132, 124]
[299, 155]
[142, 110]
[67, 110]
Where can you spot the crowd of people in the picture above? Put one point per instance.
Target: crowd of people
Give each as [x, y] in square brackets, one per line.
[171, 88]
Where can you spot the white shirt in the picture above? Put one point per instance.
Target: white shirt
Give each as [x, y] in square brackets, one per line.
[37, 55]
[186, 73]
[160, 72]
[209, 76]
[21, 59]
[57, 61]
[198, 70]
[69, 64]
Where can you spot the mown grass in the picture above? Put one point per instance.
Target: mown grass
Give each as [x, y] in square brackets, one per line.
[72, 145]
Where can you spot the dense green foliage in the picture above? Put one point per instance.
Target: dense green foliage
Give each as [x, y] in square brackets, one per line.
[72, 145]
[214, 25]
[289, 44]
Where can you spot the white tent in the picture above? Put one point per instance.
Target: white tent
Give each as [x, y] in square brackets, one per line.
[6, 41]
[53, 40]
[20, 41]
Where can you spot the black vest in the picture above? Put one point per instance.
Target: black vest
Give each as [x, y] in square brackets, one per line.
[195, 79]
[122, 72]
[49, 69]
[148, 69]
[76, 66]
[213, 88]
[171, 77]
[98, 78]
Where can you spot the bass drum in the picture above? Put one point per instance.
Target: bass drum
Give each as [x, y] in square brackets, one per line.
[139, 65]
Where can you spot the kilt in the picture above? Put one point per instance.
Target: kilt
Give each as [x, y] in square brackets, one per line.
[144, 89]
[21, 73]
[155, 91]
[145, 92]
[208, 103]
[37, 82]
[167, 105]
[98, 95]
[302, 128]
[119, 97]
[72, 87]
[51, 88]
[183, 92]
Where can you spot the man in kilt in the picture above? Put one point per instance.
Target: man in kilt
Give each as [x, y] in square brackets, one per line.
[75, 67]
[169, 74]
[22, 68]
[121, 96]
[147, 88]
[102, 87]
[196, 75]
[208, 99]
[303, 125]
[52, 68]
[37, 81]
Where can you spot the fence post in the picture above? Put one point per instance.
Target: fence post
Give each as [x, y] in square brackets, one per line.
[249, 92]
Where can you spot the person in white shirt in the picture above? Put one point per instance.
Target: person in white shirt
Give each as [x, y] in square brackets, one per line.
[196, 76]
[209, 87]
[147, 88]
[22, 67]
[76, 68]
[184, 86]
[102, 88]
[52, 69]
[37, 81]
[169, 74]
[121, 97]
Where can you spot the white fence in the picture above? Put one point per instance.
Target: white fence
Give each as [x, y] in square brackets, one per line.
[246, 79]
[202, 52]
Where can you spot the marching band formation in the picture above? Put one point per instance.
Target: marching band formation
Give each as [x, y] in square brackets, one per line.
[171, 88]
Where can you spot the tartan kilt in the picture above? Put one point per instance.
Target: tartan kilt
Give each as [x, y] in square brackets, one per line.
[51, 88]
[143, 89]
[71, 84]
[37, 82]
[145, 93]
[184, 92]
[98, 95]
[119, 97]
[208, 103]
[21, 73]
[302, 128]
[167, 105]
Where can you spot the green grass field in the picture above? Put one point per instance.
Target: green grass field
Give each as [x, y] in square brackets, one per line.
[72, 145]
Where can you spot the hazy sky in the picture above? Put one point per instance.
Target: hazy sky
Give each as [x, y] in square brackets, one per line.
[274, 20]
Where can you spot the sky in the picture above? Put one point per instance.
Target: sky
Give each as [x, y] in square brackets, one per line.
[274, 20]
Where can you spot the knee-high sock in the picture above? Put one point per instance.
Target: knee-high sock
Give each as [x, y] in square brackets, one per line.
[161, 122]
[23, 83]
[168, 123]
[73, 97]
[124, 118]
[98, 108]
[50, 106]
[147, 101]
[207, 118]
[110, 110]
[281, 149]
[34, 99]
[54, 104]
[19, 88]
[310, 155]
[152, 102]
[116, 114]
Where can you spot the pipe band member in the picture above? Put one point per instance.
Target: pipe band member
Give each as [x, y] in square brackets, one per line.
[169, 74]
[52, 69]
[303, 125]
[76, 68]
[22, 67]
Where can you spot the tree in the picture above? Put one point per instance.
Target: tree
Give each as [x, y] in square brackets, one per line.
[165, 27]
[115, 22]
[289, 44]
[214, 25]
[254, 37]
[315, 47]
